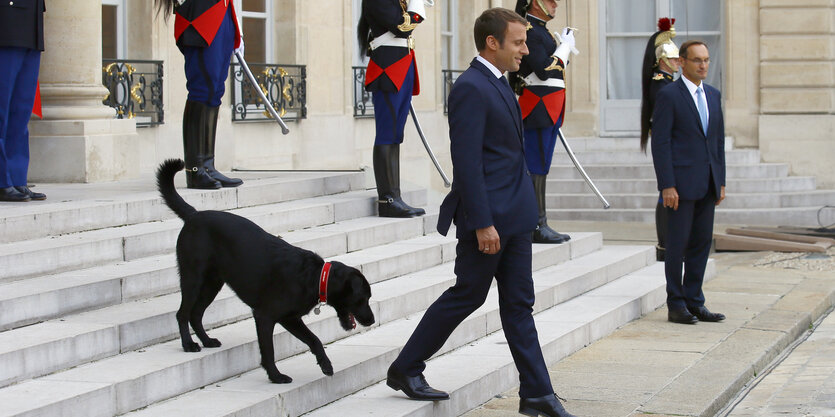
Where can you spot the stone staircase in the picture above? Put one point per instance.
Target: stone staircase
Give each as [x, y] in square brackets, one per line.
[89, 289]
[757, 193]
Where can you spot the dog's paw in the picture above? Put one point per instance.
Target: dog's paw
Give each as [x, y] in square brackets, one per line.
[326, 366]
[212, 343]
[191, 347]
[280, 379]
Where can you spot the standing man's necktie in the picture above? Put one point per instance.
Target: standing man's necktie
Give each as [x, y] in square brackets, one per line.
[700, 98]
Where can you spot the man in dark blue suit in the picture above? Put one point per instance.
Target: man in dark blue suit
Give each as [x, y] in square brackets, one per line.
[493, 205]
[688, 151]
[21, 43]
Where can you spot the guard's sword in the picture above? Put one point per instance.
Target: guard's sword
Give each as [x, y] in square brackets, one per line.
[428, 149]
[263, 97]
[582, 171]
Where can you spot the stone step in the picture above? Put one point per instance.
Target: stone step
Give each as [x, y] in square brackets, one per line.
[31, 300]
[73, 208]
[363, 359]
[79, 338]
[632, 185]
[139, 378]
[646, 171]
[635, 156]
[793, 216]
[625, 143]
[82, 250]
[733, 200]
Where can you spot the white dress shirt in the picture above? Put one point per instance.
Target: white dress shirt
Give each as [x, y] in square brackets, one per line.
[489, 66]
[692, 87]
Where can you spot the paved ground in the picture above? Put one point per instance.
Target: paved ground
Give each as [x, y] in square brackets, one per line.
[651, 367]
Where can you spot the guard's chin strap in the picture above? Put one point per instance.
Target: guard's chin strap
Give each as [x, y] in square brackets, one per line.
[323, 286]
[544, 9]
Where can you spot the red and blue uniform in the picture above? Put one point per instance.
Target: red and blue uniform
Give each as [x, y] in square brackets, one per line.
[207, 33]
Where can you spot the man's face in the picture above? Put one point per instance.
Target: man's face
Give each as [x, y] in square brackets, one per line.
[695, 66]
[510, 52]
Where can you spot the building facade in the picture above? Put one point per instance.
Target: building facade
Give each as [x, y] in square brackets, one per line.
[772, 60]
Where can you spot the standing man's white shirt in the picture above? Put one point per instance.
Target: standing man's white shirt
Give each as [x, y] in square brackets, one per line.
[692, 88]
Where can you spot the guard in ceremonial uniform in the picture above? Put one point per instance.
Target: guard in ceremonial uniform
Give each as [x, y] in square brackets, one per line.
[540, 84]
[384, 32]
[21, 44]
[207, 34]
[660, 63]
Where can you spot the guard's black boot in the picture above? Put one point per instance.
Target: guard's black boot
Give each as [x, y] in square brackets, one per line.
[548, 406]
[543, 233]
[387, 174]
[661, 231]
[209, 163]
[195, 146]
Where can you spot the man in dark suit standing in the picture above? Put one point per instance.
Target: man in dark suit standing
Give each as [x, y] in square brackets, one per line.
[493, 205]
[21, 43]
[688, 151]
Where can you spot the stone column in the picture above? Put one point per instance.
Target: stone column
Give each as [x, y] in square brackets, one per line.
[797, 86]
[78, 140]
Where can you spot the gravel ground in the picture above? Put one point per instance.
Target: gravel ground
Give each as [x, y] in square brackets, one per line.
[799, 261]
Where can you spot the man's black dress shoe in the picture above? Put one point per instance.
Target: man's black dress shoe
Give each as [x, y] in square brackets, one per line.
[548, 406]
[681, 316]
[703, 314]
[415, 387]
[33, 195]
[13, 195]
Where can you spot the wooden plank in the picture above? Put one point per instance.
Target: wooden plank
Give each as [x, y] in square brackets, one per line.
[726, 242]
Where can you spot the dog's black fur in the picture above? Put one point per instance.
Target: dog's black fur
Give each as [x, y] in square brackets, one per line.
[278, 280]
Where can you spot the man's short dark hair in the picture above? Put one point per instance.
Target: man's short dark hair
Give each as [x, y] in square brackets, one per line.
[683, 51]
[493, 22]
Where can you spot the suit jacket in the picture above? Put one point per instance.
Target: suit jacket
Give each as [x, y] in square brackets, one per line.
[683, 156]
[21, 23]
[491, 184]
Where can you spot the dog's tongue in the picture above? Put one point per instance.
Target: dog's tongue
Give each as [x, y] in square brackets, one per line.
[353, 322]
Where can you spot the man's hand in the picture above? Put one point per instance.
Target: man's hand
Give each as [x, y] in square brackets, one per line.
[721, 195]
[670, 196]
[488, 240]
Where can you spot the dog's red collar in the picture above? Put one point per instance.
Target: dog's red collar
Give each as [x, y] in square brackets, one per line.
[323, 282]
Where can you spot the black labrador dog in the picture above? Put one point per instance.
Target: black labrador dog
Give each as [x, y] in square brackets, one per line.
[279, 281]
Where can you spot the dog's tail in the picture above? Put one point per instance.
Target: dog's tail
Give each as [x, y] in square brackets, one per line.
[165, 183]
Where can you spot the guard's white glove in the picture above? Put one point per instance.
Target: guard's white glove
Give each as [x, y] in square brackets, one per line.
[567, 38]
[417, 9]
[240, 48]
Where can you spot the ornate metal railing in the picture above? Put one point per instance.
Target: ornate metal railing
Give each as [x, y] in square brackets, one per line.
[135, 90]
[449, 77]
[362, 99]
[284, 85]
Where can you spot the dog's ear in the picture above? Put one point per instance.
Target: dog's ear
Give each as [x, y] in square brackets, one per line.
[358, 283]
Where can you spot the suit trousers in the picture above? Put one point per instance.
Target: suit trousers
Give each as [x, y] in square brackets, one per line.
[689, 235]
[474, 274]
[18, 79]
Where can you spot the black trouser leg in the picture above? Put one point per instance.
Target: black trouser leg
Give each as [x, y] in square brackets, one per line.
[387, 174]
[196, 146]
[660, 230]
[543, 233]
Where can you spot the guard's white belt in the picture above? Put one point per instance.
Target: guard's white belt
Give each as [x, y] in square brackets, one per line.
[533, 80]
[388, 39]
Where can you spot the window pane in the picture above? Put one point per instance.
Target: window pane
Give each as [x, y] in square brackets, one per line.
[108, 32]
[702, 15]
[624, 68]
[255, 38]
[254, 6]
[630, 16]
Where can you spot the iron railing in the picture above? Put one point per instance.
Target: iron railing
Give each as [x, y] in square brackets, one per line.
[135, 90]
[363, 107]
[284, 85]
[449, 77]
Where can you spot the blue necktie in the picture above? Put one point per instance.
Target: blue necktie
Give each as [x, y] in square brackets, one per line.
[702, 108]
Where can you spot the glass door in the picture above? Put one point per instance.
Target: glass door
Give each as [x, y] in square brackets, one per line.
[626, 26]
